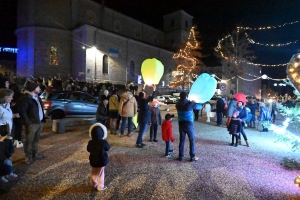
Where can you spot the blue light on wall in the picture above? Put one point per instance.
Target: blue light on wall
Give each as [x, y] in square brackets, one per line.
[8, 50]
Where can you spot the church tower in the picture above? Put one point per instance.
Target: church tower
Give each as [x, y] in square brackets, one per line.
[177, 26]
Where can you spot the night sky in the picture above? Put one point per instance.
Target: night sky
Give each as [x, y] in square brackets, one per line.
[214, 19]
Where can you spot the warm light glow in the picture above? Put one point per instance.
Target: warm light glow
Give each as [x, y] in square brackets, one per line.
[152, 70]
[264, 76]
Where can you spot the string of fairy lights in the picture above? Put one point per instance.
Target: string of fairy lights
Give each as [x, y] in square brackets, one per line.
[191, 44]
[219, 46]
[254, 79]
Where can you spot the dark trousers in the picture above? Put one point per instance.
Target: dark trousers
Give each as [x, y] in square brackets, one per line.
[17, 129]
[118, 122]
[273, 116]
[123, 125]
[196, 113]
[236, 138]
[5, 169]
[153, 131]
[219, 118]
[186, 128]
[167, 148]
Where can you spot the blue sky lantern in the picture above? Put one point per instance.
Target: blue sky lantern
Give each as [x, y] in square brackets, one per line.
[203, 88]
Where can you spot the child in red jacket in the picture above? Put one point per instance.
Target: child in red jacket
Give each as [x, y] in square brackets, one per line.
[167, 133]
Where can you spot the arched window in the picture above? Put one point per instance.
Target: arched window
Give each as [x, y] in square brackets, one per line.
[172, 23]
[131, 70]
[105, 64]
[53, 55]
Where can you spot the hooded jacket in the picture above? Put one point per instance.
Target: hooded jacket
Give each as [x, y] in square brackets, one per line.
[127, 105]
[185, 110]
[98, 146]
[144, 114]
[166, 131]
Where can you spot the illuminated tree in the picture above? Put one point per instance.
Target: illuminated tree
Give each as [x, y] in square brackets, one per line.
[235, 50]
[188, 62]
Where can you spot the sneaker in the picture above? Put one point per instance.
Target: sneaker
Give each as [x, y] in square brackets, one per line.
[171, 150]
[143, 144]
[121, 135]
[4, 179]
[139, 146]
[104, 188]
[155, 140]
[179, 158]
[19, 145]
[194, 159]
[11, 176]
[16, 143]
[38, 157]
[168, 156]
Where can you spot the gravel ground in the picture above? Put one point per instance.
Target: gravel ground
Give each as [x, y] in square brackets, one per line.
[222, 171]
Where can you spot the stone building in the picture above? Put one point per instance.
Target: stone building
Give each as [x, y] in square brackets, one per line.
[83, 39]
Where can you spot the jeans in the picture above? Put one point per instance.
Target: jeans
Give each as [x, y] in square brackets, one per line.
[167, 148]
[142, 130]
[196, 114]
[186, 128]
[32, 138]
[219, 118]
[243, 133]
[124, 120]
[153, 131]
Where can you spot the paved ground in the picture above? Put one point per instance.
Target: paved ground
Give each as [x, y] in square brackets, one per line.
[222, 172]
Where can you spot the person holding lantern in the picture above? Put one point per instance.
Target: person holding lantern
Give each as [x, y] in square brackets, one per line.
[186, 125]
[144, 115]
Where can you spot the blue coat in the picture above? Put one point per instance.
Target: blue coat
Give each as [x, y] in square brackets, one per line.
[185, 110]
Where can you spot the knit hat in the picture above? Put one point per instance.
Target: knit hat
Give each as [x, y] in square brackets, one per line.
[182, 95]
[31, 86]
[98, 131]
[169, 116]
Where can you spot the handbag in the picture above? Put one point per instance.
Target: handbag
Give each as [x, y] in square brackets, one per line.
[4, 129]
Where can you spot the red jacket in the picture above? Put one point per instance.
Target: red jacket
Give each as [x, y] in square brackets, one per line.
[166, 129]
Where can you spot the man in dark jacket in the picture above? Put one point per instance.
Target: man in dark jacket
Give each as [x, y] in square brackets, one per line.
[186, 125]
[253, 107]
[220, 109]
[32, 114]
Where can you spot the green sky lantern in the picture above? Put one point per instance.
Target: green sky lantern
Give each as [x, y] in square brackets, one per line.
[152, 71]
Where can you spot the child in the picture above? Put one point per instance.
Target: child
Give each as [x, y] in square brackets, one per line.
[234, 128]
[155, 120]
[98, 148]
[167, 134]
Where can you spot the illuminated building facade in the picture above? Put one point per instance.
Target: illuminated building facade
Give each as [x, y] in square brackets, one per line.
[83, 39]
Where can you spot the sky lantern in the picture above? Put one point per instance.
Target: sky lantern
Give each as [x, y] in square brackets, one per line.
[203, 88]
[152, 71]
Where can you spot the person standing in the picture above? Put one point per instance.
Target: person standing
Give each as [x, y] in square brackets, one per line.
[127, 110]
[264, 116]
[253, 107]
[98, 147]
[220, 110]
[167, 133]
[243, 115]
[32, 114]
[155, 120]
[113, 106]
[273, 110]
[184, 109]
[144, 115]
[234, 128]
[230, 110]
[102, 114]
[207, 110]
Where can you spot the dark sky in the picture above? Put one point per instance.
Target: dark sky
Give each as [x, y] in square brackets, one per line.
[214, 19]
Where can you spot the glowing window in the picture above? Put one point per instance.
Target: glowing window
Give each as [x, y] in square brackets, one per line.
[53, 56]
[105, 64]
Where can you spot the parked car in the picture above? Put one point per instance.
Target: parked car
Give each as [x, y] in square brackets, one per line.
[58, 105]
[160, 98]
[170, 99]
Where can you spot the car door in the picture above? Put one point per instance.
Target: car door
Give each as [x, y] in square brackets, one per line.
[89, 105]
[73, 104]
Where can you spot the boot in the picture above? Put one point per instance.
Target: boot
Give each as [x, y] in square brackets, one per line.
[236, 144]
[239, 142]
[247, 143]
